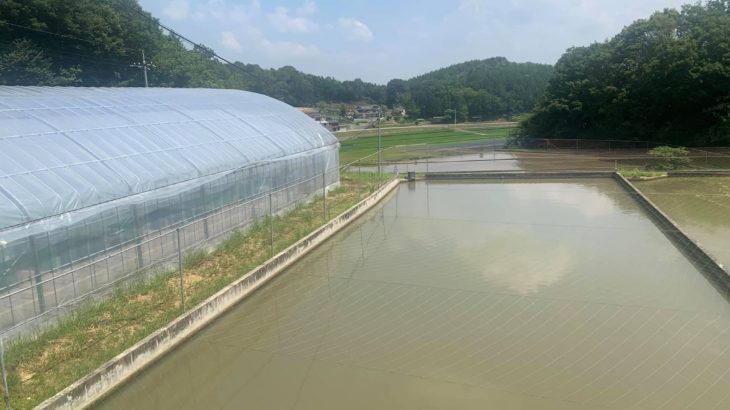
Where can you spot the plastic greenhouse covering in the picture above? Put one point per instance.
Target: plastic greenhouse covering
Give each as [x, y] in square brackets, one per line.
[88, 169]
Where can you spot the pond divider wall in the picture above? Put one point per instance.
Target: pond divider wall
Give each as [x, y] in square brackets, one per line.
[518, 175]
[702, 173]
[115, 372]
[712, 269]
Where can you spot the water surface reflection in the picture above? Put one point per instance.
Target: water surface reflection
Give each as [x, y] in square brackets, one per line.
[559, 294]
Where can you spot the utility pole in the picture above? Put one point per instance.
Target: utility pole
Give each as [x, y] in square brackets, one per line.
[380, 155]
[144, 70]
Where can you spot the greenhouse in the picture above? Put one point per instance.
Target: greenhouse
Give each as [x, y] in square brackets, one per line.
[96, 179]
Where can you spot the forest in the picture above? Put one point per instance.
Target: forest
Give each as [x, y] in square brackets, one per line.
[99, 43]
[664, 79]
[480, 89]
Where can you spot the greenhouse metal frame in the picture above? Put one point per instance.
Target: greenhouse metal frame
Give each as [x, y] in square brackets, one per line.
[89, 174]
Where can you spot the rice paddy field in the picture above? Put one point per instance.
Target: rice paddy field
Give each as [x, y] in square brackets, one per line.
[507, 294]
[357, 145]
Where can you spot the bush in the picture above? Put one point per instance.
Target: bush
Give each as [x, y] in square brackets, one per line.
[670, 158]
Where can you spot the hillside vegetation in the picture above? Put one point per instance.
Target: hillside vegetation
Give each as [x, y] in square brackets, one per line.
[663, 79]
[484, 89]
[100, 43]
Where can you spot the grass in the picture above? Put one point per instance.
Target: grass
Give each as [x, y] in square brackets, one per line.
[40, 367]
[639, 173]
[354, 146]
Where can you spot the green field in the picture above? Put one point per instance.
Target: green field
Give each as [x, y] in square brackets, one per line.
[357, 145]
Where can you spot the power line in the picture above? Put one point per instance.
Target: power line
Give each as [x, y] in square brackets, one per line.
[146, 16]
[83, 57]
[50, 33]
[194, 44]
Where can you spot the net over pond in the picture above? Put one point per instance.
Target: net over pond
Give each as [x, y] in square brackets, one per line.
[555, 294]
[700, 205]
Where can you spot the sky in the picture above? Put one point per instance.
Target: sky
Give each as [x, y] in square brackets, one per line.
[379, 40]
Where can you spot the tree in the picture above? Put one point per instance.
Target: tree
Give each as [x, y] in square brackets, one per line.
[670, 158]
[100, 43]
[22, 63]
[662, 79]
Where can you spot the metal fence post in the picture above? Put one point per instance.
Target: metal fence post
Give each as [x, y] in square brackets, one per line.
[10, 302]
[138, 236]
[5, 375]
[37, 277]
[324, 196]
[180, 266]
[271, 223]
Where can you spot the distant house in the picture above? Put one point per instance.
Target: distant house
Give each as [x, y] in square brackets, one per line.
[331, 123]
[368, 112]
[398, 111]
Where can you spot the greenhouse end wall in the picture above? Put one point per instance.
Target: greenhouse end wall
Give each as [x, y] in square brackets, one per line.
[50, 264]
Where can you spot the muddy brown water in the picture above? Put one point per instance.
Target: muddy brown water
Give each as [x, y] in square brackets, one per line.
[700, 206]
[493, 160]
[558, 294]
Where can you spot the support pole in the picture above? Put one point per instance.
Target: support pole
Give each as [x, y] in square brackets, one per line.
[6, 393]
[37, 277]
[380, 154]
[144, 70]
[180, 267]
[271, 224]
[324, 196]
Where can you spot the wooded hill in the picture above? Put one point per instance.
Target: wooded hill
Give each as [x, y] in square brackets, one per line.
[100, 43]
[475, 89]
[664, 79]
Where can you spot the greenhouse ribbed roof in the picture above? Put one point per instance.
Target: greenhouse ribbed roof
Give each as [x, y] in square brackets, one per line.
[63, 149]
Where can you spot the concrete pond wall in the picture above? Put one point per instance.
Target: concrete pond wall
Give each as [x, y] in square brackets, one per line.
[113, 373]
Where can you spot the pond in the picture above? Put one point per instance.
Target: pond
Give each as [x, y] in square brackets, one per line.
[505, 294]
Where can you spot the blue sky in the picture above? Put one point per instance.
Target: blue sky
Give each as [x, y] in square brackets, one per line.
[379, 40]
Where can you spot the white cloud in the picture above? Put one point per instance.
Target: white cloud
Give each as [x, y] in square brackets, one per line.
[356, 29]
[176, 9]
[472, 6]
[257, 44]
[230, 42]
[212, 10]
[281, 21]
[286, 49]
[308, 8]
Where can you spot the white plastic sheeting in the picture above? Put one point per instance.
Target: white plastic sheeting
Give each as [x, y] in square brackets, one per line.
[86, 170]
[62, 149]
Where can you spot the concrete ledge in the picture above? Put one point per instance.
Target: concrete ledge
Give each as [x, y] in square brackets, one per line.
[702, 173]
[115, 372]
[713, 270]
[518, 175]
